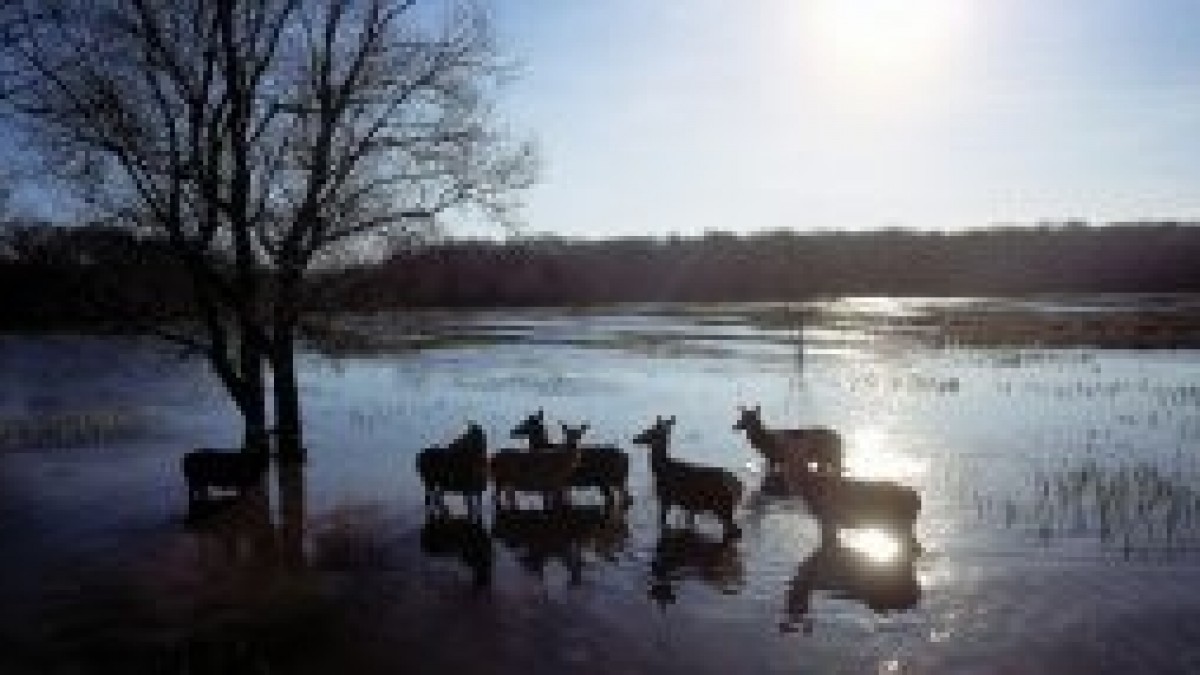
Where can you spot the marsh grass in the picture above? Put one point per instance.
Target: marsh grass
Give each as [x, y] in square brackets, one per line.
[1134, 510]
[73, 428]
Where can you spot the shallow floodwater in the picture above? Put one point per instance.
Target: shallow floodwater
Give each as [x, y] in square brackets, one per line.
[1053, 443]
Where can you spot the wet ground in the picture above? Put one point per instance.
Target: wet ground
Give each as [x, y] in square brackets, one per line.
[1053, 443]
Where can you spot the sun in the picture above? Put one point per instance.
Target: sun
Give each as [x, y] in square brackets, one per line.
[879, 48]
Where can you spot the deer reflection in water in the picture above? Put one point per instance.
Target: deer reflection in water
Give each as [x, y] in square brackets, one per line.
[466, 539]
[242, 526]
[864, 566]
[233, 531]
[684, 554]
[564, 534]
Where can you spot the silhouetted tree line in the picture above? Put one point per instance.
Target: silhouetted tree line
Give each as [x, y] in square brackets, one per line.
[1144, 257]
[56, 277]
[61, 277]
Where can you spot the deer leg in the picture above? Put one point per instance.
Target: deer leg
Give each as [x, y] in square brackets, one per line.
[575, 555]
[729, 527]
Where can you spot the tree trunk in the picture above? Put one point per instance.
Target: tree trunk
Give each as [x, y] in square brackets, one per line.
[246, 385]
[253, 405]
[289, 433]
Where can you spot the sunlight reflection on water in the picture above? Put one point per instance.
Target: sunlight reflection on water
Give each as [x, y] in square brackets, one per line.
[1058, 487]
[876, 545]
[875, 454]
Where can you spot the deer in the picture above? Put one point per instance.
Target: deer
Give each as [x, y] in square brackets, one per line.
[693, 488]
[845, 503]
[601, 467]
[815, 448]
[533, 429]
[459, 467]
[207, 468]
[548, 473]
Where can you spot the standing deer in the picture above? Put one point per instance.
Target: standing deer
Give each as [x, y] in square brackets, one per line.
[533, 429]
[547, 473]
[221, 469]
[845, 503]
[816, 448]
[601, 467]
[695, 489]
[459, 467]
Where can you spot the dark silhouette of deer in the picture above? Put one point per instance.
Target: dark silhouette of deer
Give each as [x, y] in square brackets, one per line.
[695, 489]
[601, 467]
[460, 467]
[533, 429]
[546, 473]
[815, 448]
[844, 503]
[207, 469]
[882, 585]
[466, 539]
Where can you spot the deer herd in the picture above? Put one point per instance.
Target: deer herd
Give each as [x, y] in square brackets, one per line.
[809, 461]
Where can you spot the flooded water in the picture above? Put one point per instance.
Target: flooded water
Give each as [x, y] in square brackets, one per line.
[1053, 443]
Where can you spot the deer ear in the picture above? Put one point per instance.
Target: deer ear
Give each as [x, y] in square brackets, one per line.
[541, 413]
[671, 421]
[757, 409]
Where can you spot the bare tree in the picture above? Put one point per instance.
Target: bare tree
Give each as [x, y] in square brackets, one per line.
[130, 104]
[385, 125]
[262, 138]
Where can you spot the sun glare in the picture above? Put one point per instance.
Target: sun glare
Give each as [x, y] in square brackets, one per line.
[872, 454]
[878, 546]
[881, 48]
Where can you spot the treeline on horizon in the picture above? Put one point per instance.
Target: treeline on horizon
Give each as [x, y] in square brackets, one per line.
[55, 276]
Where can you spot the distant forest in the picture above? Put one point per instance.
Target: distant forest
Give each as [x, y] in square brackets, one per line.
[54, 275]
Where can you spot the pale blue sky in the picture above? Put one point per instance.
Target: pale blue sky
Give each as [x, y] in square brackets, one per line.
[659, 116]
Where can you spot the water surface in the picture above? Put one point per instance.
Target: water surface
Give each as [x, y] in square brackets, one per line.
[1052, 440]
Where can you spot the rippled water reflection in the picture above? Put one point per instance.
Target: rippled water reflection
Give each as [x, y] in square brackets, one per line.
[1053, 444]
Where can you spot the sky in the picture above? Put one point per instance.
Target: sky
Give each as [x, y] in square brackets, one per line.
[681, 116]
